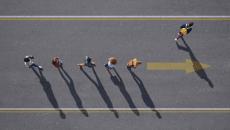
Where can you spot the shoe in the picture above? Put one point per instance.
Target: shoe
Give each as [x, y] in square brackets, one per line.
[40, 67]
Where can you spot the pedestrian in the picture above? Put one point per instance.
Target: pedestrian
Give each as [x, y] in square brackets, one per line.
[88, 62]
[112, 61]
[57, 62]
[184, 30]
[28, 62]
[133, 63]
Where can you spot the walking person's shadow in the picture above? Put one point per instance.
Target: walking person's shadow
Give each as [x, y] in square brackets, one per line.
[101, 90]
[117, 80]
[196, 63]
[145, 96]
[69, 81]
[48, 91]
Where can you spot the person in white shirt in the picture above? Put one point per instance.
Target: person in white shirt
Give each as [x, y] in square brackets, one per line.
[28, 62]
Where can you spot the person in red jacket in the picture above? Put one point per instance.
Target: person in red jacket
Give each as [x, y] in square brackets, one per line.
[56, 61]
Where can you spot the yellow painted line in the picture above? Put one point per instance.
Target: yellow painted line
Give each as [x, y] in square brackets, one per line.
[188, 66]
[114, 18]
[193, 110]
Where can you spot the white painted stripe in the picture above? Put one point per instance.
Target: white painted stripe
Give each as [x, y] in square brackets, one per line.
[134, 16]
[117, 109]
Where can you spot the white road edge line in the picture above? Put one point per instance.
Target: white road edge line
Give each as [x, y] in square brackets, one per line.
[134, 16]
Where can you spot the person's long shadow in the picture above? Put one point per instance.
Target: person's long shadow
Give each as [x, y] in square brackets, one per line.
[49, 92]
[101, 90]
[145, 96]
[69, 81]
[196, 63]
[117, 80]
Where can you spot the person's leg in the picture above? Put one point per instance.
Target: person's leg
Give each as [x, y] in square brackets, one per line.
[32, 65]
[81, 65]
[61, 62]
[106, 65]
[26, 64]
[179, 35]
[92, 64]
[37, 66]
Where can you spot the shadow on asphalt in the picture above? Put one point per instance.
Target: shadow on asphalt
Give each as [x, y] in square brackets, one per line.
[48, 91]
[69, 81]
[117, 80]
[101, 90]
[145, 96]
[196, 63]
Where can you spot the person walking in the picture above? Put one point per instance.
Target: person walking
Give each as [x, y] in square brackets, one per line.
[133, 63]
[185, 29]
[28, 62]
[88, 62]
[57, 62]
[112, 61]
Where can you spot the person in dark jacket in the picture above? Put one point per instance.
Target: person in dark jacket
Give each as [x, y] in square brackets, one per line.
[28, 62]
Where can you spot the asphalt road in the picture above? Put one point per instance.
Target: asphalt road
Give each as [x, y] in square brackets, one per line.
[115, 7]
[181, 121]
[150, 41]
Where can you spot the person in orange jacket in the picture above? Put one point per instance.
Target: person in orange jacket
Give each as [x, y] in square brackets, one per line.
[133, 63]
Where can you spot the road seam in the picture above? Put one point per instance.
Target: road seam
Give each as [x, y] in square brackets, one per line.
[113, 18]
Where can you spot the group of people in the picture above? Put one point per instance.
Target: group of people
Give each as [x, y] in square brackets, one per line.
[88, 62]
[112, 61]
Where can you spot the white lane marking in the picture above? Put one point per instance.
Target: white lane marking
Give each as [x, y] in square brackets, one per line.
[131, 16]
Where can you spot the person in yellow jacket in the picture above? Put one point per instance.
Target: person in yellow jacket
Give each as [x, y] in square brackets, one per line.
[133, 63]
[184, 30]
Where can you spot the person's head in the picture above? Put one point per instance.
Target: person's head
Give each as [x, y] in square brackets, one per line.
[190, 24]
[26, 59]
[113, 60]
